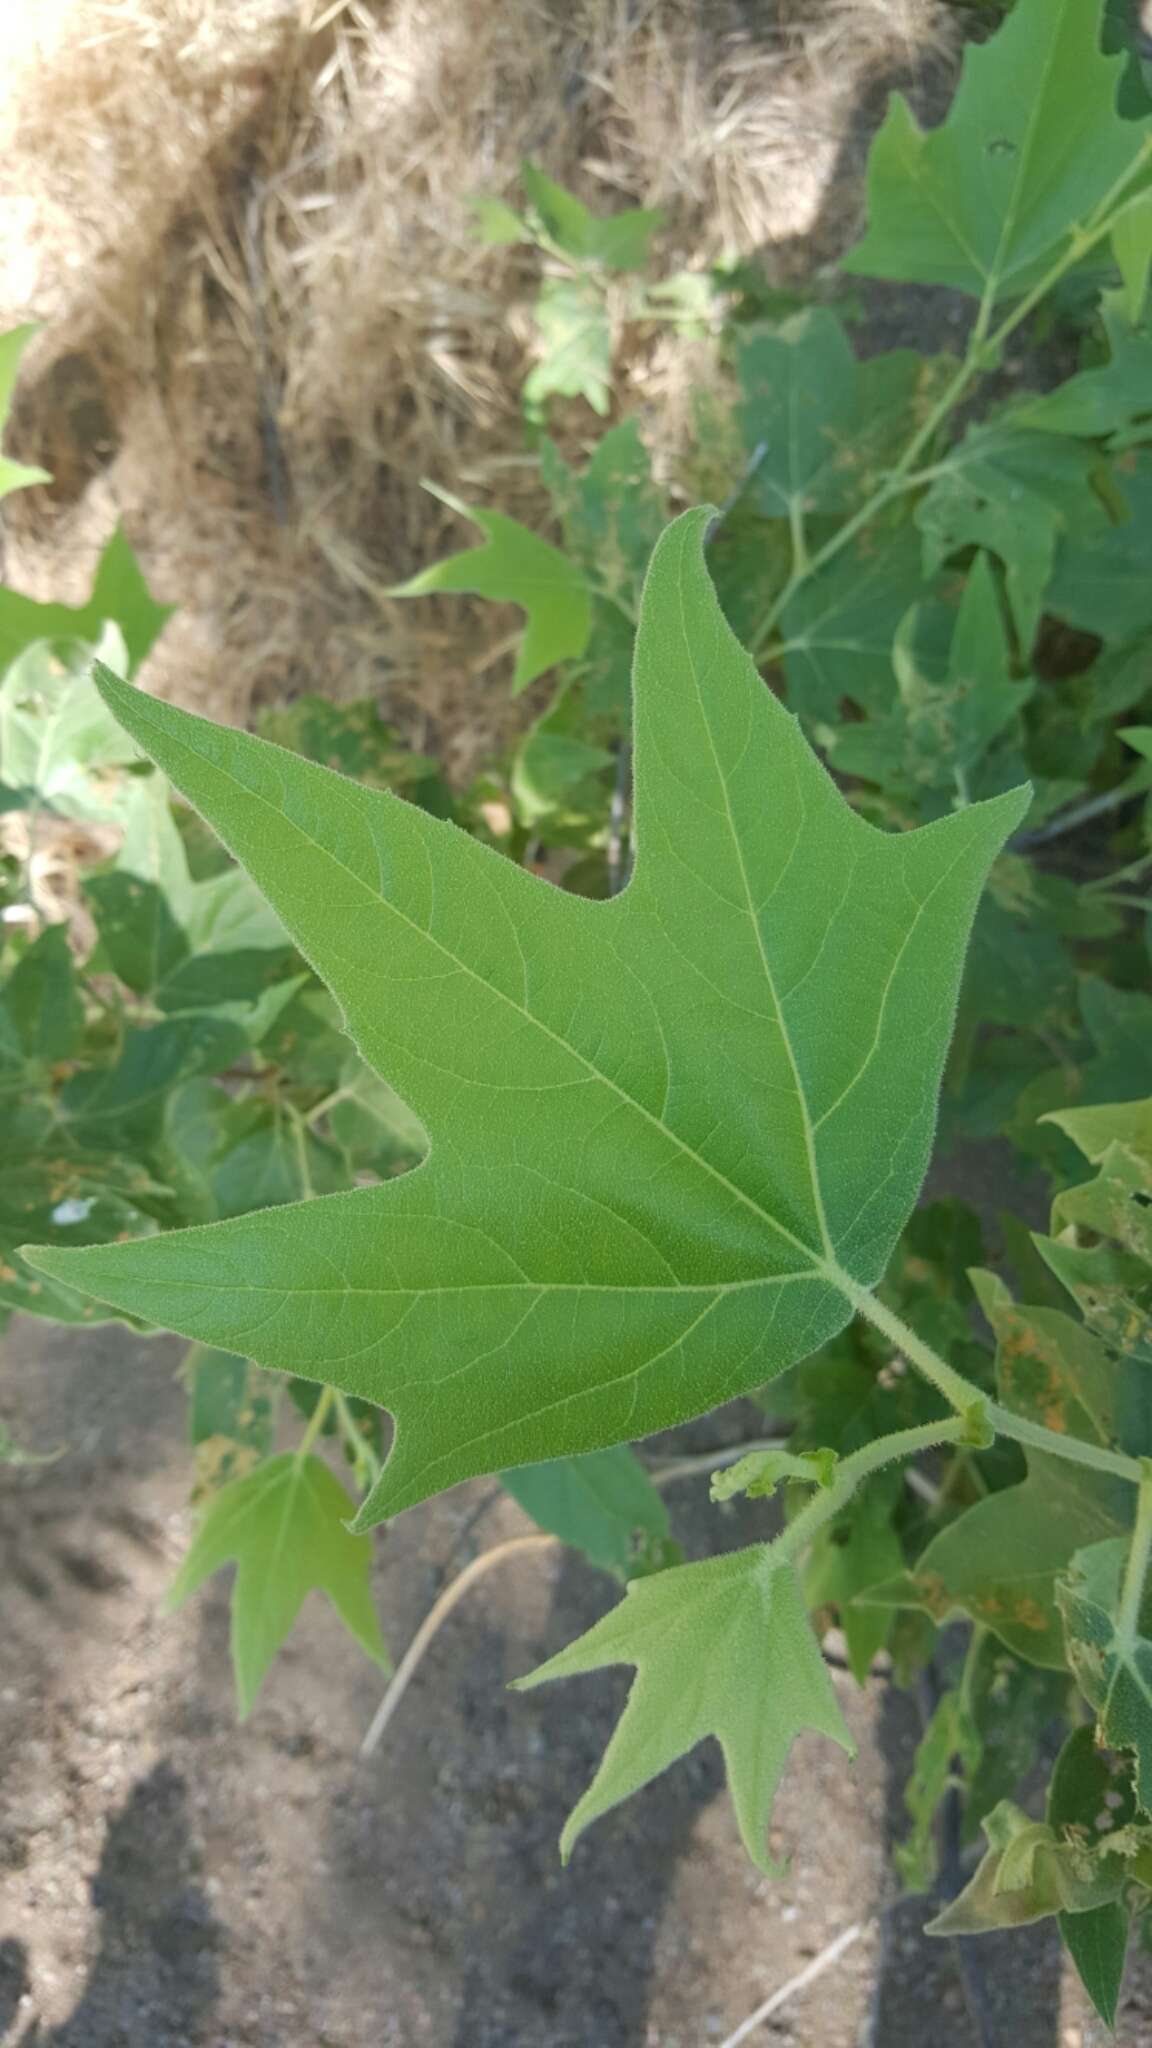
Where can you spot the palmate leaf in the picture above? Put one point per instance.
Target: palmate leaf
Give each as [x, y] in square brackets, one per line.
[672, 1135]
[721, 1648]
[1032, 143]
[517, 567]
[285, 1526]
[119, 596]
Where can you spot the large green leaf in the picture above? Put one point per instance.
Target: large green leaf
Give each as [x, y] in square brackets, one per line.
[1031, 144]
[672, 1135]
[14, 476]
[285, 1526]
[722, 1648]
[517, 567]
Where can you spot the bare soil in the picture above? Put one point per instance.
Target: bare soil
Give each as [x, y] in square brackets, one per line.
[170, 1880]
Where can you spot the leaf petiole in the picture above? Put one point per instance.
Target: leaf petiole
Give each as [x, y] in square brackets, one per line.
[965, 1396]
[316, 1422]
[1136, 1569]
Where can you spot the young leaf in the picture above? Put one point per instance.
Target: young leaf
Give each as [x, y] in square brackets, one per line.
[576, 346]
[284, 1526]
[1111, 1658]
[672, 1135]
[757, 1681]
[1032, 143]
[517, 567]
[14, 476]
[600, 1504]
[617, 241]
[120, 597]
[1028, 1874]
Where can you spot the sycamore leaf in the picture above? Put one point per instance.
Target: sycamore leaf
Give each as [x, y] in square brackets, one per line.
[1132, 248]
[575, 346]
[42, 998]
[816, 421]
[603, 1504]
[1090, 1796]
[1111, 1660]
[285, 1528]
[672, 1135]
[1030, 1873]
[930, 743]
[840, 625]
[120, 597]
[618, 241]
[1111, 1280]
[1031, 144]
[1101, 582]
[1111, 403]
[14, 476]
[517, 567]
[948, 1740]
[1013, 492]
[231, 1416]
[857, 1550]
[722, 1648]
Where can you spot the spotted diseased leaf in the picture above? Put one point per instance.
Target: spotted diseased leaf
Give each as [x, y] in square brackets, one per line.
[758, 1680]
[14, 476]
[1110, 1278]
[1111, 1654]
[1030, 1873]
[672, 1136]
[1031, 144]
[284, 1526]
[1090, 1797]
[818, 423]
[517, 567]
[231, 1416]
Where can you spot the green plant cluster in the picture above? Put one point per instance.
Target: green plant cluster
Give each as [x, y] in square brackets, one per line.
[841, 792]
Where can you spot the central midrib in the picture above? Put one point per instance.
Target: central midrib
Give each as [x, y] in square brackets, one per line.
[818, 1259]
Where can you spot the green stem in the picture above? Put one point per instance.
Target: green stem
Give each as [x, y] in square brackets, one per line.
[316, 1422]
[300, 1139]
[851, 1472]
[981, 355]
[960, 1393]
[1136, 1569]
[799, 538]
[966, 1397]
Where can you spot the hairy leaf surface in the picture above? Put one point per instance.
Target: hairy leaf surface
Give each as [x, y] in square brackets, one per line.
[672, 1135]
[721, 1648]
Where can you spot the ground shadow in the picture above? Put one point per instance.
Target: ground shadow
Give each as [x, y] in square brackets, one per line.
[154, 1977]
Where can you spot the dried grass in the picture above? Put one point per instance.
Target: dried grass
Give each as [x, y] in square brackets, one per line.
[247, 231]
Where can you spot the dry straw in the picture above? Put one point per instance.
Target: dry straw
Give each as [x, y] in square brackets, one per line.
[247, 230]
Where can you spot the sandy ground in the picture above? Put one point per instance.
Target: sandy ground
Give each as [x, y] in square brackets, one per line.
[171, 1881]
